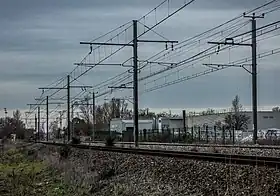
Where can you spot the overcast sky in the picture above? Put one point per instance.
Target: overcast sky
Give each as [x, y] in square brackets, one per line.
[39, 42]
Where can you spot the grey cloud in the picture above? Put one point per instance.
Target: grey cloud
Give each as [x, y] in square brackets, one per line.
[214, 90]
[40, 43]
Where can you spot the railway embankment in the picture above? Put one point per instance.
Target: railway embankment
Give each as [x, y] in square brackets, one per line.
[112, 173]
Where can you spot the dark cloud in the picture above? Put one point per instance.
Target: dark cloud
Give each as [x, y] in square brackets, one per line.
[40, 42]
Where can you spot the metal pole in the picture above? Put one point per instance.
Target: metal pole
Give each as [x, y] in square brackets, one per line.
[135, 82]
[93, 115]
[254, 80]
[38, 132]
[113, 105]
[47, 125]
[68, 107]
[72, 117]
[184, 121]
[35, 127]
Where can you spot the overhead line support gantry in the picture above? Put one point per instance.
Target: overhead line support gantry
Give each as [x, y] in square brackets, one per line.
[253, 45]
[134, 44]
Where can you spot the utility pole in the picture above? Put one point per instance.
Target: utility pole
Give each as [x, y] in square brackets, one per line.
[68, 87]
[253, 45]
[114, 109]
[47, 109]
[135, 71]
[35, 127]
[135, 83]
[93, 115]
[72, 117]
[38, 132]
[254, 75]
[47, 113]
[68, 107]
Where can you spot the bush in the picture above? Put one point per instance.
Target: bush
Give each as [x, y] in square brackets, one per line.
[107, 173]
[75, 140]
[187, 138]
[64, 151]
[110, 141]
[194, 149]
[268, 141]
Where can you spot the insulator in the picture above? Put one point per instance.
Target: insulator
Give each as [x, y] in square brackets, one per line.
[172, 46]
[90, 49]
[218, 49]
[166, 46]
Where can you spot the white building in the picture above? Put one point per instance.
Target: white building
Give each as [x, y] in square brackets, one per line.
[266, 119]
[169, 123]
[120, 125]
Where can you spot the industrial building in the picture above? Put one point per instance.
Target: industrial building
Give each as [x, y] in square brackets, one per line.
[266, 119]
[163, 123]
[120, 125]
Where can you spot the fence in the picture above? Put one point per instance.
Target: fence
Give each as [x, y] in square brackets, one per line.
[202, 135]
[179, 135]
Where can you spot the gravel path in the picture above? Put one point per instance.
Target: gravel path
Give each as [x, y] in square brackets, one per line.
[106, 173]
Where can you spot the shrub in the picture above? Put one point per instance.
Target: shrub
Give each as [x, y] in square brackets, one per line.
[64, 151]
[75, 140]
[214, 150]
[268, 141]
[187, 138]
[110, 141]
[107, 173]
[194, 149]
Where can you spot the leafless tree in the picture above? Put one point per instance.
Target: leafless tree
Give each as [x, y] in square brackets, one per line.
[116, 108]
[237, 118]
[276, 109]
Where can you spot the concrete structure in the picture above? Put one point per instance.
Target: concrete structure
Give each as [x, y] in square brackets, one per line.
[266, 119]
[120, 125]
[169, 123]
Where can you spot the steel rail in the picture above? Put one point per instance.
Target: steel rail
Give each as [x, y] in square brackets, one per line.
[195, 145]
[260, 161]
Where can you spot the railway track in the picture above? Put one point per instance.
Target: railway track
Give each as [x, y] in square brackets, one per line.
[191, 145]
[260, 161]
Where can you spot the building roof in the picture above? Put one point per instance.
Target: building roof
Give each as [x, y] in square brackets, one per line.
[140, 121]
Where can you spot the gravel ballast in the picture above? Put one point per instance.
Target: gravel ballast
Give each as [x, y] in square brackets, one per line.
[107, 173]
[214, 149]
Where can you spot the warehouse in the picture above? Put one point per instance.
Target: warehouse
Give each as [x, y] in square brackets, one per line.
[120, 125]
[163, 123]
[266, 119]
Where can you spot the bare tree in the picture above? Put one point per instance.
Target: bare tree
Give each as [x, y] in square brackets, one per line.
[86, 109]
[208, 112]
[237, 118]
[55, 130]
[12, 125]
[276, 109]
[166, 114]
[116, 108]
[146, 114]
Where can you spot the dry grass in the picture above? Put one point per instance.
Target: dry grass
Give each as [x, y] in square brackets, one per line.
[21, 174]
[105, 173]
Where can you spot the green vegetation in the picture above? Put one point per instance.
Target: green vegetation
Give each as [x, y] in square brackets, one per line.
[20, 175]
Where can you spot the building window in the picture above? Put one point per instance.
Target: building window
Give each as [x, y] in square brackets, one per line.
[270, 117]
